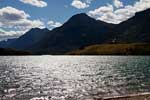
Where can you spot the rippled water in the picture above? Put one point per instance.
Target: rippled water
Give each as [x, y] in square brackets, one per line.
[72, 77]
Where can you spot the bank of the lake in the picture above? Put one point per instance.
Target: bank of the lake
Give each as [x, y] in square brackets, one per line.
[114, 49]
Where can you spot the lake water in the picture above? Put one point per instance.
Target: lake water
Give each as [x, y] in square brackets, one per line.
[72, 77]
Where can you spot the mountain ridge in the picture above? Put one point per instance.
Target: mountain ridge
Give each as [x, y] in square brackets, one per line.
[81, 30]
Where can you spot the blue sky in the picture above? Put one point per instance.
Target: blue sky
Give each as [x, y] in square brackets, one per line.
[56, 10]
[18, 16]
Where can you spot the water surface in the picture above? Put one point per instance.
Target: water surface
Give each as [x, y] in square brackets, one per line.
[72, 77]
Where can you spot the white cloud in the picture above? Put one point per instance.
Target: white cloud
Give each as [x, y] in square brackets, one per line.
[102, 10]
[12, 17]
[53, 24]
[10, 13]
[88, 1]
[79, 4]
[5, 34]
[110, 15]
[118, 3]
[141, 5]
[37, 3]
[15, 19]
[103, 13]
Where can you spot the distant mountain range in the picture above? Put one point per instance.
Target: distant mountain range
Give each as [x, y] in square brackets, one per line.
[135, 29]
[81, 31]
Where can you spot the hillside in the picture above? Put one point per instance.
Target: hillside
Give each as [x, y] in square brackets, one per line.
[133, 30]
[80, 30]
[28, 39]
[114, 49]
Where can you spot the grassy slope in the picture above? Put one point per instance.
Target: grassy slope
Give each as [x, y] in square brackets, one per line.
[114, 49]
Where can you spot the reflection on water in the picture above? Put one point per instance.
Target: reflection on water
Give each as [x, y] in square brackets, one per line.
[72, 78]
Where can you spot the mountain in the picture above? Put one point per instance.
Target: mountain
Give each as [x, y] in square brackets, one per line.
[28, 39]
[5, 43]
[79, 31]
[135, 29]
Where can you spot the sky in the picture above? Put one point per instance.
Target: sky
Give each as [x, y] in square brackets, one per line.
[19, 16]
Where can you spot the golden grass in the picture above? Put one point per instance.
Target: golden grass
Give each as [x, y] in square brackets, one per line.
[114, 49]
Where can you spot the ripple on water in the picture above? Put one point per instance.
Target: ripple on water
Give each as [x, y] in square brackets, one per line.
[72, 78]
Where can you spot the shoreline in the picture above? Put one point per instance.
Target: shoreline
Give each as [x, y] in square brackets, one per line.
[140, 96]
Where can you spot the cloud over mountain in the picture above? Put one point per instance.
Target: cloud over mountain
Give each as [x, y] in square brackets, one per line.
[118, 3]
[4, 34]
[15, 19]
[79, 4]
[123, 12]
[53, 24]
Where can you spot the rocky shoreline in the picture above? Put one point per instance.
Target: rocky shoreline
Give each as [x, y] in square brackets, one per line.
[142, 96]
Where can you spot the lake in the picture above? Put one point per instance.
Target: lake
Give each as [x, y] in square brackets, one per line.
[72, 77]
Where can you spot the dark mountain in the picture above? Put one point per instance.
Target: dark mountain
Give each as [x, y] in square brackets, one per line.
[135, 29]
[79, 31]
[5, 43]
[28, 39]
[9, 51]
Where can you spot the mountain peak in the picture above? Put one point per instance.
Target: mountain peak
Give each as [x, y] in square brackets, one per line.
[79, 19]
[80, 16]
[37, 29]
